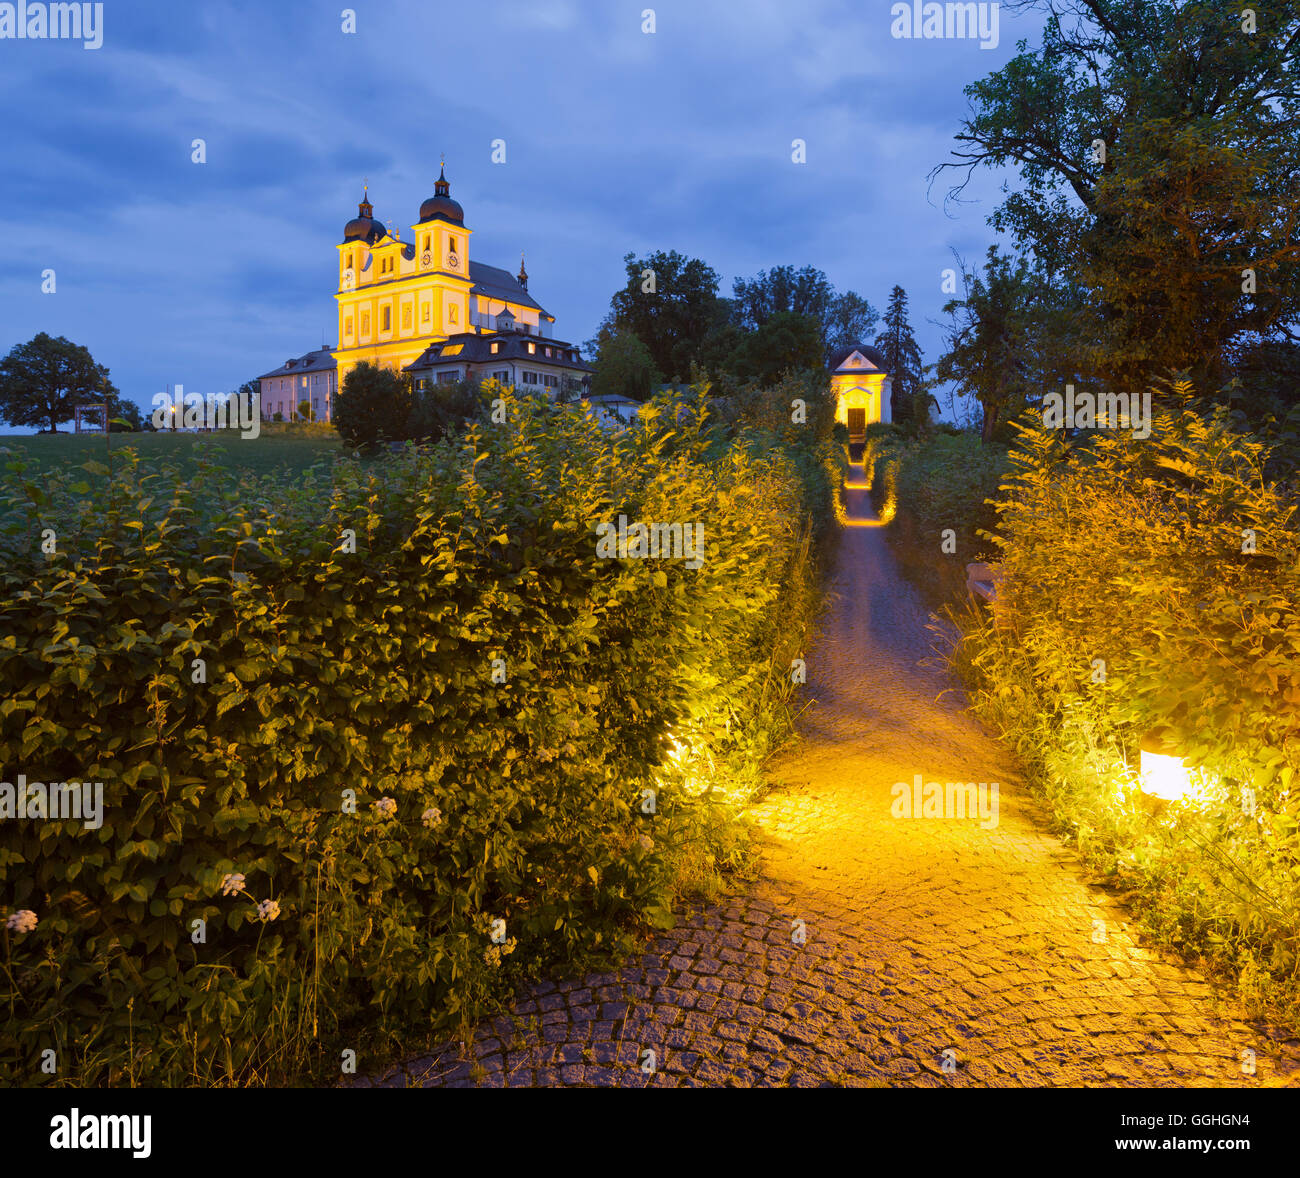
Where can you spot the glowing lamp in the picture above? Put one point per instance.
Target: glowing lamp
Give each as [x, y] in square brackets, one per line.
[1163, 773]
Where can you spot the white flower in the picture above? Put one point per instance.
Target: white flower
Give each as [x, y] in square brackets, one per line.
[22, 921]
[386, 807]
[268, 910]
[433, 816]
[647, 843]
[232, 884]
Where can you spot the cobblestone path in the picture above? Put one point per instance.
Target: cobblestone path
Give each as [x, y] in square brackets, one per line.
[938, 951]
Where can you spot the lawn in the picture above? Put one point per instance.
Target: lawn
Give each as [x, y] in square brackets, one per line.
[275, 449]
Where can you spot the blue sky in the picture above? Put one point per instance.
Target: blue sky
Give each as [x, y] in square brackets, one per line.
[209, 274]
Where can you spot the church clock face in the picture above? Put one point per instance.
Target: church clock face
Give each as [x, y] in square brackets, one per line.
[348, 279]
[426, 257]
[452, 260]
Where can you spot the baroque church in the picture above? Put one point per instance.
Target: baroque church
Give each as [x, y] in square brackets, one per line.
[422, 306]
[426, 307]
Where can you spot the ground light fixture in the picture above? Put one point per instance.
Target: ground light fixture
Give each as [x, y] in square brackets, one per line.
[1163, 773]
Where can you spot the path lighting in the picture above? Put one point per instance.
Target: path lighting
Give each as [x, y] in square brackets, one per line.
[1163, 772]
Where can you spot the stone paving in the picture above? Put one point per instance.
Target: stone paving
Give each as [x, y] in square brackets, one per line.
[878, 950]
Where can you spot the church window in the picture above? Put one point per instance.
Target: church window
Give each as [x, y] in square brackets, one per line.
[347, 326]
[406, 318]
[386, 322]
[451, 313]
[365, 322]
[426, 312]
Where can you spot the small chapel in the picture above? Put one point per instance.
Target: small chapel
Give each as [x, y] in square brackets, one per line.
[861, 388]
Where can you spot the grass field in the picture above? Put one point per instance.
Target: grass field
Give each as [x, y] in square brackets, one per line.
[293, 449]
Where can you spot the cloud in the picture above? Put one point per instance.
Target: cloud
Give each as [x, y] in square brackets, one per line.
[616, 140]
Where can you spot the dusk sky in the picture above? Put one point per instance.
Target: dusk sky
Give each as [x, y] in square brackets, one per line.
[210, 274]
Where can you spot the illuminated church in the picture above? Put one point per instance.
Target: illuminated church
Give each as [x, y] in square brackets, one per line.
[862, 388]
[422, 306]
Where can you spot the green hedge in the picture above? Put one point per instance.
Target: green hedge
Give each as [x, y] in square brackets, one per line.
[371, 671]
[926, 487]
[1156, 584]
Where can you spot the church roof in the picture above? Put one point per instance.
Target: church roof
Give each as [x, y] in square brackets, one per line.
[494, 283]
[868, 353]
[440, 206]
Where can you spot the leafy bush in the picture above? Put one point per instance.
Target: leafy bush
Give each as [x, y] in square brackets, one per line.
[440, 409]
[372, 406]
[424, 703]
[928, 487]
[1156, 584]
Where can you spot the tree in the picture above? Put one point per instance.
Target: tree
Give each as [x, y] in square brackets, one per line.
[623, 365]
[785, 343]
[305, 412]
[372, 407]
[670, 303]
[44, 380]
[850, 321]
[903, 361]
[988, 341]
[250, 392]
[442, 408]
[841, 318]
[1158, 145]
[124, 417]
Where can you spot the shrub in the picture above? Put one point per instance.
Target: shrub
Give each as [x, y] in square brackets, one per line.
[1156, 584]
[425, 703]
[438, 410]
[372, 406]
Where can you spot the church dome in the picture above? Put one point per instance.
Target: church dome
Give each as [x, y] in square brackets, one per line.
[363, 227]
[440, 205]
[868, 353]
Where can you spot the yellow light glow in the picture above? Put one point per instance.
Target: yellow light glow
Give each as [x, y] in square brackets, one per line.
[1163, 773]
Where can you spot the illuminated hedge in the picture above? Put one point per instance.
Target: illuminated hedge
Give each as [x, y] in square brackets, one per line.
[373, 671]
